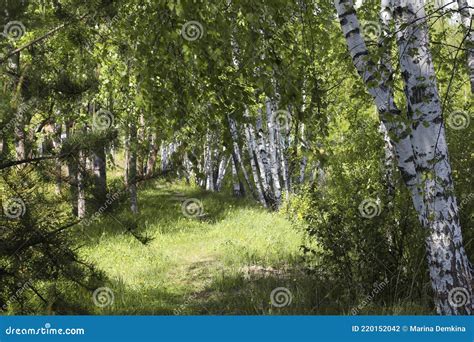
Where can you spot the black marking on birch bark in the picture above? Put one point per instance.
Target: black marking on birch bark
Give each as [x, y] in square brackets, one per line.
[359, 54]
[351, 11]
[407, 177]
[415, 125]
[419, 94]
[351, 32]
[405, 75]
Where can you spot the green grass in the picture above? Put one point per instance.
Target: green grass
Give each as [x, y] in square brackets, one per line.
[226, 262]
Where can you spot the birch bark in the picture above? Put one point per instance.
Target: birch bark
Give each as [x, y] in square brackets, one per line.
[447, 260]
[422, 154]
[466, 18]
[222, 169]
[265, 171]
[132, 168]
[253, 164]
[153, 153]
[273, 153]
[237, 154]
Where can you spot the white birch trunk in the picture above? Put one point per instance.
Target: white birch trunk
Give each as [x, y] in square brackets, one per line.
[208, 167]
[58, 163]
[423, 155]
[466, 18]
[236, 184]
[273, 153]
[223, 164]
[188, 168]
[132, 168]
[283, 134]
[253, 164]
[81, 187]
[304, 159]
[153, 153]
[237, 154]
[164, 156]
[389, 162]
[258, 157]
[264, 164]
[447, 260]
[382, 93]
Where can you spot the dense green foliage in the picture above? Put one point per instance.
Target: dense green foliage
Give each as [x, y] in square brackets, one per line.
[133, 61]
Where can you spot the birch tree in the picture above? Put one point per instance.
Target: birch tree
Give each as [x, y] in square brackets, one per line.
[465, 11]
[422, 152]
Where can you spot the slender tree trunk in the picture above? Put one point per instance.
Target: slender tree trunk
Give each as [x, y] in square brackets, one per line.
[223, 164]
[389, 162]
[20, 118]
[20, 138]
[208, 163]
[188, 168]
[3, 147]
[264, 164]
[273, 153]
[253, 164]
[81, 188]
[466, 19]
[132, 168]
[447, 260]
[303, 163]
[140, 142]
[237, 154]
[81, 182]
[237, 185]
[99, 167]
[153, 153]
[72, 169]
[58, 163]
[260, 163]
[201, 173]
[304, 159]
[282, 134]
[164, 152]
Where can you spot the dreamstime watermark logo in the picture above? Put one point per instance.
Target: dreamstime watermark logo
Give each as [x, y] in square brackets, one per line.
[458, 120]
[281, 297]
[371, 30]
[192, 208]
[14, 207]
[378, 287]
[192, 30]
[14, 30]
[103, 120]
[17, 295]
[182, 307]
[370, 208]
[103, 296]
[282, 118]
[458, 296]
[46, 330]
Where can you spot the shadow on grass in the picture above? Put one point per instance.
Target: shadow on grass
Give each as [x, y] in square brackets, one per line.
[161, 205]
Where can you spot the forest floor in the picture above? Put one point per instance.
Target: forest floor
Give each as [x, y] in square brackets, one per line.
[226, 262]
